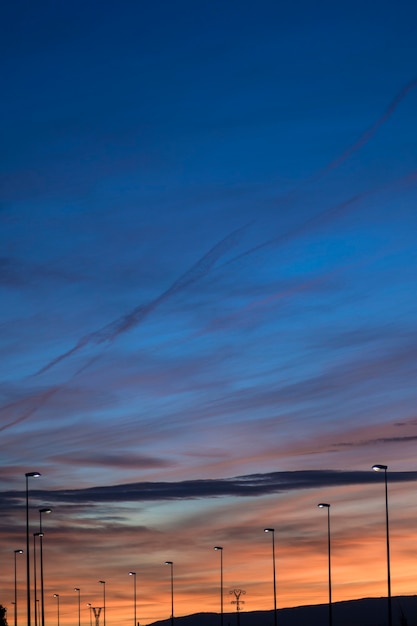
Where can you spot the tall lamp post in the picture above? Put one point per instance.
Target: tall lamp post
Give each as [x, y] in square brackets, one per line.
[220, 549]
[171, 564]
[103, 582]
[56, 595]
[35, 586]
[15, 586]
[78, 590]
[384, 468]
[324, 505]
[45, 511]
[272, 531]
[27, 476]
[134, 596]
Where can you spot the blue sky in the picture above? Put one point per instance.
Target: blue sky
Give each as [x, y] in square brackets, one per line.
[208, 264]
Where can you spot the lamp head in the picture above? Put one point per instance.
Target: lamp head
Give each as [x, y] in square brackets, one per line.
[76, 589]
[169, 563]
[379, 467]
[32, 474]
[102, 582]
[269, 530]
[323, 505]
[47, 511]
[56, 595]
[132, 573]
[218, 547]
[18, 551]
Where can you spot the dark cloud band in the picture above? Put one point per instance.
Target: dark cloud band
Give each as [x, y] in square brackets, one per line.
[253, 485]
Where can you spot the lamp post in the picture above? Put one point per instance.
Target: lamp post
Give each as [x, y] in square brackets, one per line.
[384, 468]
[78, 590]
[324, 505]
[15, 586]
[220, 549]
[91, 617]
[171, 564]
[272, 531]
[103, 582]
[35, 588]
[45, 511]
[134, 596]
[56, 595]
[27, 476]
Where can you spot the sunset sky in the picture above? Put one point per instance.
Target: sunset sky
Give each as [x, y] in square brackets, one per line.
[208, 267]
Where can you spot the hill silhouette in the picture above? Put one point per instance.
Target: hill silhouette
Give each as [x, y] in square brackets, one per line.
[363, 612]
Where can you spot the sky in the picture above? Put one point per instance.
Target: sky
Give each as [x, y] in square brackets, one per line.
[208, 300]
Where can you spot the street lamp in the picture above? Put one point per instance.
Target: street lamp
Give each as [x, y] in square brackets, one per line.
[383, 468]
[91, 617]
[45, 511]
[272, 531]
[27, 476]
[103, 582]
[56, 595]
[220, 549]
[78, 590]
[324, 505]
[134, 596]
[172, 590]
[35, 589]
[15, 586]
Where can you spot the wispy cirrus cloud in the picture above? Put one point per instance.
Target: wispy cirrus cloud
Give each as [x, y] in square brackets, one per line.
[111, 331]
[123, 324]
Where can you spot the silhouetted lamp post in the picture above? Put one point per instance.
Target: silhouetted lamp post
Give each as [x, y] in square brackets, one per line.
[35, 586]
[15, 586]
[27, 476]
[324, 505]
[171, 564]
[220, 549]
[45, 511]
[134, 596]
[78, 590]
[272, 531]
[383, 468]
[103, 582]
[56, 595]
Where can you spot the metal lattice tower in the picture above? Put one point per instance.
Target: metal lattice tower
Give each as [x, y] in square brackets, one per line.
[96, 610]
[237, 593]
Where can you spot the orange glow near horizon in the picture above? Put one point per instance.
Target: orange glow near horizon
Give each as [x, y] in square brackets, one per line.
[78, 556]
